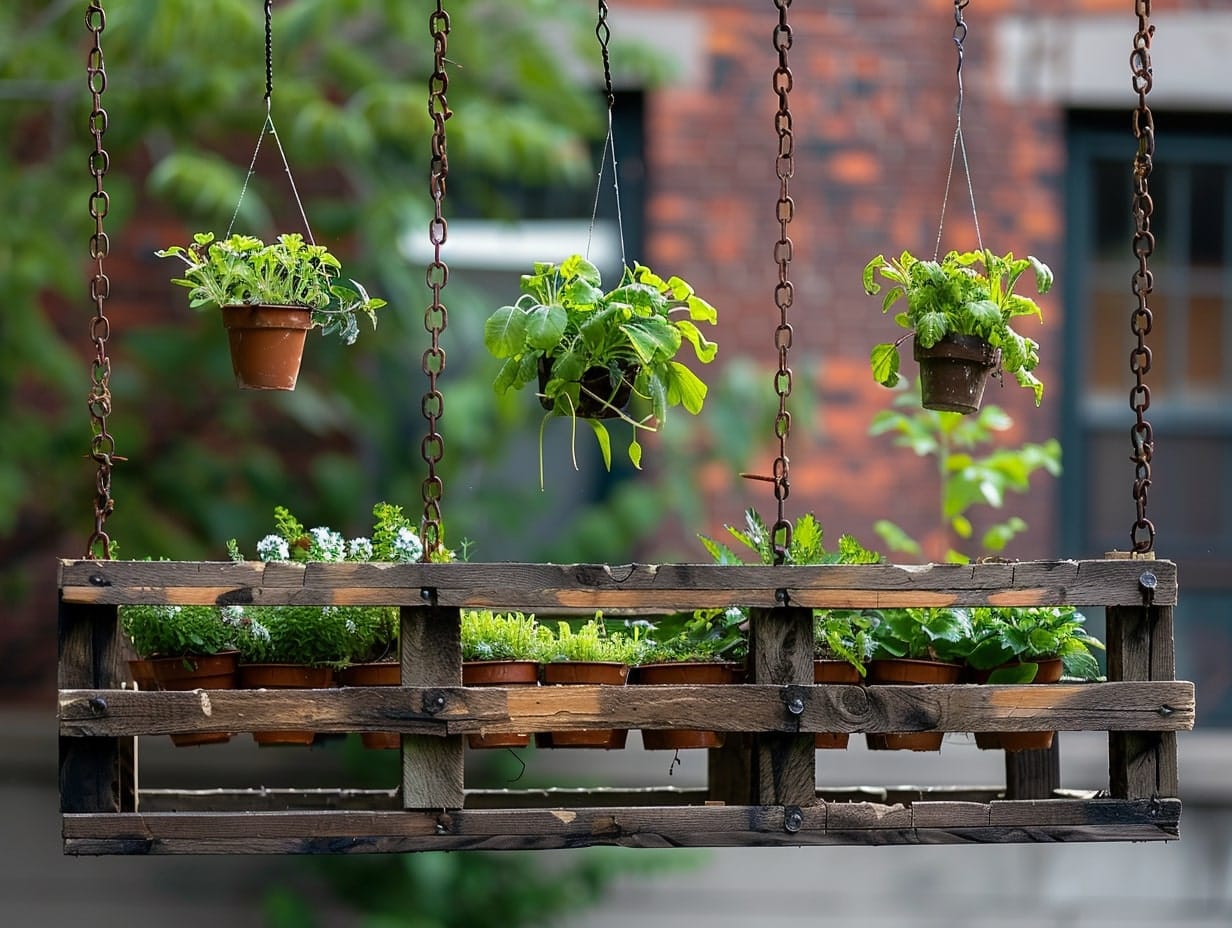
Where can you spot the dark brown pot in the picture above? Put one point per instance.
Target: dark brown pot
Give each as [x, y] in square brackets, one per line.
[597, 381]
[205, 672]
[1050, 670]
[908, 672]
[142, 672]
[685, 673]
[953, 372]
[374, 673]
[833, 671]
[284, 676]
[499, 673]
[267, 344]
[572, 673]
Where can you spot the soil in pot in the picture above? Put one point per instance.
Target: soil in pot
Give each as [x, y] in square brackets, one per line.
[267, 344]
[1049, 671]
[906, 672]
[284, 676]
[499, 673]
[205, 672]
[833, 671]
[597, 398]
[682, 673]
[572, 673]
[375, 673]
[954, 371]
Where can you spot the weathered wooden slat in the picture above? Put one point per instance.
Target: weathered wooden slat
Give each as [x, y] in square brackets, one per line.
[781, 653]
[1033, 774]
[543, 587]
[1141, 647]
[697, 826]
[432, 766]
[440, 711]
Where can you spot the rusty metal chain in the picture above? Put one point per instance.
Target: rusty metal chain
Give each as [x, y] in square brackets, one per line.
[784, 291]
[102, 443]
[1142, 533]
[436, 317]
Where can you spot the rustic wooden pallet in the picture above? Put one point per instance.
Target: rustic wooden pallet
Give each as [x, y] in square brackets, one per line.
[762, 788]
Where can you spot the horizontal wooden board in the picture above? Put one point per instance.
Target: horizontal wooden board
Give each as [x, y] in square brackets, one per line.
[454, 710]
[635, 587]
[637, 826]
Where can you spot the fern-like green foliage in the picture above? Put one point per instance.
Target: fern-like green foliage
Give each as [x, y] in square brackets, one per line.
[591, 642]
[1004, 635]
[502, 636]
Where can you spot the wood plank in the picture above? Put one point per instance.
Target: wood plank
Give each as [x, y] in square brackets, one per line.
[699, 826]
[781, 653]
[440, 711]
[432, 766]
[1033, 774]
[543, 587]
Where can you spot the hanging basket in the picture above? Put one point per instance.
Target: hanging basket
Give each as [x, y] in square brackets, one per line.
[597, 398]
[267, 344]
[953, 372]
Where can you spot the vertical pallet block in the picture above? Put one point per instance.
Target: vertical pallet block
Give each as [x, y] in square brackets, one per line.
[762, 783]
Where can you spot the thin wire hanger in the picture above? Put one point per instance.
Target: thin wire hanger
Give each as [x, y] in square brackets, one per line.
[268, 127]
[604, 34]
[959, 145]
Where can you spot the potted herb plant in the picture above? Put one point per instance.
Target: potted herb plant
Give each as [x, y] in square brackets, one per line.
[185, 648]
[842, 645]
[589, 350]
[500, 649]
[958, 313]
[917, 646]
[588, 655]
[270, 296]
[1028, 645]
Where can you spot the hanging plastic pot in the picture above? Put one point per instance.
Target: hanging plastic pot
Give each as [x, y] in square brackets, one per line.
[598, 398]
[953, 372]
[267, 344]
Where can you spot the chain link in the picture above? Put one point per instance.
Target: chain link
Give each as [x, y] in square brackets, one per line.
[102, 443]
[436, 317]
[784, 291]
[1142, 533]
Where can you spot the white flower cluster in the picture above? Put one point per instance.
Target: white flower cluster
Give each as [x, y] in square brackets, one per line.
[327, 544]
[273, 548]
[259, 631]
[359, 549]
[407, 546]
[232, 615]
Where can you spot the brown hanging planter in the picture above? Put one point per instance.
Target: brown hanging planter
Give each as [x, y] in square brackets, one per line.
[267, 344]
[205, 672]
[953, 372]
[584, 672]
[682, 673]
[374, 673]
[499, 673]
[834, 671]
[906, 671]
[284, 676]
[1050, 670]
[596, 399]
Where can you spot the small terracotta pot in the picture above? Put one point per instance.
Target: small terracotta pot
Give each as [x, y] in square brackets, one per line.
[571, 673]
[684, 673]
[499, 673]
[954, 371]
[833, 671]
[597, 381]
[1050, 670]
[374, 673]
[141, 670]
[284, 676]
[908, 672]
[193, 672]
[267, 344]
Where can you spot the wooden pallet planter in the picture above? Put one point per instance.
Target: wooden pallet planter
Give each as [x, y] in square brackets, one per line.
[762, 786]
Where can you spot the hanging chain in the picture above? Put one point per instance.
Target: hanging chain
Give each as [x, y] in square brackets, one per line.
[436, 317]
[784, 291]
[959, 145]
[102, 443]
[604, 34]
[1142, 533]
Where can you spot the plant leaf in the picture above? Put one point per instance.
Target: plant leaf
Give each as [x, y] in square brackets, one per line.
[605, 441]
[545, 325]
[504, 334]
[885, 360]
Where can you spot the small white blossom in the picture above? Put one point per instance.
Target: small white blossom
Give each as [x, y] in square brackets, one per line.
[273, 548]
[359, 549]
[407, 546]
[327, 544]
[259, 631]
[232, 615]
[350, 627]
[350, 330]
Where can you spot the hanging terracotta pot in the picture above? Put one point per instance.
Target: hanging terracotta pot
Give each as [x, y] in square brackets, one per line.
[570, 673]
[597, 399]
[141, 671]
[499, 673]
[204, 672]
[953, 372]
[1049, 671]
[908, 672]
[284, 676]
[374, 673]
[834, 671]
[267, 344]
[682, 673]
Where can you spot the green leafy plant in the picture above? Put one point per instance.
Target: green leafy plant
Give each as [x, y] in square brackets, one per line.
[178, 631]
[966, 293]
[700, 636]
[501, 636]
[589, 342]
[1022, 636]
[930, 634]
[312, 635]
[967, 477]
[844, 635]
[590, 642]
[288, 272]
